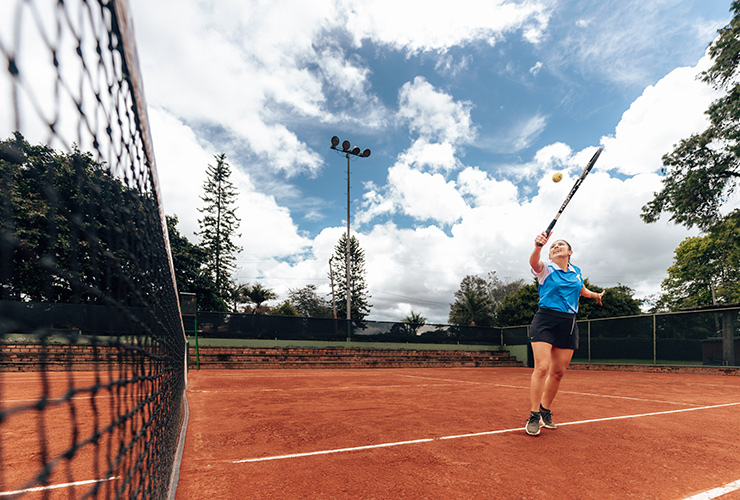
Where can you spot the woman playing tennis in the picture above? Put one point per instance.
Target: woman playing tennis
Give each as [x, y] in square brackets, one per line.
[554, 332]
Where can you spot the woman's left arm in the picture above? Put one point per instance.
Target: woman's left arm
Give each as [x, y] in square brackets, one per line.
[585, 292]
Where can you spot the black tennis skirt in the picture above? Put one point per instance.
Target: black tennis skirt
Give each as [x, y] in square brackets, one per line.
[554, 327]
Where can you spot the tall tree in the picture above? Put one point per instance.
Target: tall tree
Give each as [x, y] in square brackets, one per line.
[471, 307]
[520, 307]
[72, 232]
[307, 302]
[359, 305]
[618, 301]
[189, 262]
[255, 294]
[219, 225]
[706, 269]
[284, 308]
[703, 170]
[478, 297]
[414, 319]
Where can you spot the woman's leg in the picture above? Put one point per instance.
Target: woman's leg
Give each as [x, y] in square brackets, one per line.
[559, 361]
[542, 352]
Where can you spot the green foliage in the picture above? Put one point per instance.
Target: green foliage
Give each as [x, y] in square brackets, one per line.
[617, 301]
[519, 307]
[72, 232]
[415, 319]
[472, 308]
[219, 225]
[706, 269]
[285, 308]
[254, 294]
[307, 302]
[477, 299]
[189, 261]
[703, 170]
[359, 305]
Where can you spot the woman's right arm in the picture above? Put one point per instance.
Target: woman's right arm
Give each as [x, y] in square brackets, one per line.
[534, 260]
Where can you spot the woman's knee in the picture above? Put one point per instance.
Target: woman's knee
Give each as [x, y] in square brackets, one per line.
[556, 372]
[541, 370]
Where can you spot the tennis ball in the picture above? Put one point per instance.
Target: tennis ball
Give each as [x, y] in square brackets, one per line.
[557, 177]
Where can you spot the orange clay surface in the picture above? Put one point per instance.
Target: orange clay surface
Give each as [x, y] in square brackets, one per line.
[29, 438]
[405, 434]
[457, 434]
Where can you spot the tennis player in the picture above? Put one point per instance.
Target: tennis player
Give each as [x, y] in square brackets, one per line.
[553, 333]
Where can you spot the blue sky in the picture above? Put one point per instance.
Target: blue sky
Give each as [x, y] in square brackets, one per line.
[469, 107]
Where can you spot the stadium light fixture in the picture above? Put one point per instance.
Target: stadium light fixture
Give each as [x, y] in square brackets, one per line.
[348, 150]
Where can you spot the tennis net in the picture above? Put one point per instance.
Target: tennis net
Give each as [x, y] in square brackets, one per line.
[92, 348]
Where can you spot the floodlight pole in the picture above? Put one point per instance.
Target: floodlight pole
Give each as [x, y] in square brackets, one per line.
[346, 251]
[348, 150]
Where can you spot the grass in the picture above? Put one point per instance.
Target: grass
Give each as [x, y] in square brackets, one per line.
[348, 345]
[637, 362]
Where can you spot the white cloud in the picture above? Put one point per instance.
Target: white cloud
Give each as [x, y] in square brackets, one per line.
[434, 115]
[434, 156]
[486, 191]
[516, 136]
[420, 195]
[608, 39]
[247, 55]
[554, 155]
[527, 131]
[440, 24]
[665, 113]
[449, 66]
[266, 227]
[468, 220]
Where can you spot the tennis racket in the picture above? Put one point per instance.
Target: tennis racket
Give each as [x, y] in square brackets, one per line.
[573, 190]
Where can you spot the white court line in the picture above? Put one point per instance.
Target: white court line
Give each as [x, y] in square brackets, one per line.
[8, 381]
[322, 389]
[475, 434]
[716, 492]
[55, 486]
[55, 400]
[560, 392]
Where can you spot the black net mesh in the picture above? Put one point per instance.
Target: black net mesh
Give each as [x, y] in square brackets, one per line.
[92, 349]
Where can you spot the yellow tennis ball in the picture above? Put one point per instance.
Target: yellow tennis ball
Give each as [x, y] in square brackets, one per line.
[557, 177]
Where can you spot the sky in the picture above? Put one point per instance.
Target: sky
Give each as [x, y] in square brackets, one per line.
[469, 108]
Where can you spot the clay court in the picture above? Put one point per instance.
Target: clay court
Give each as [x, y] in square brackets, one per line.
[458, 434]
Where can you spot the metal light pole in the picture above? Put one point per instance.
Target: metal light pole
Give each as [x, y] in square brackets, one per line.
[348, 150]
[333, 299]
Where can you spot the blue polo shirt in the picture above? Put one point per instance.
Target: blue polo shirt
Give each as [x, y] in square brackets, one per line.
[559, 290]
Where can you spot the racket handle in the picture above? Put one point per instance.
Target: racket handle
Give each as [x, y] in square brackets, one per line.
[549, 230]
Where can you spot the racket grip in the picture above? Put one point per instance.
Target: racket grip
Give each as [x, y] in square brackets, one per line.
[549, 230]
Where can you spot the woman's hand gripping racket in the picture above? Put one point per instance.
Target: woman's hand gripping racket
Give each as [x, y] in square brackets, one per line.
[573, 191]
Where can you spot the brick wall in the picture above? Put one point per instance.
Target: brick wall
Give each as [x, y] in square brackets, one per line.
[294, 357]
[59, 357]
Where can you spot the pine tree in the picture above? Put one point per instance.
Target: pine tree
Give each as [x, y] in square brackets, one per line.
[359, 306]
[219, 224]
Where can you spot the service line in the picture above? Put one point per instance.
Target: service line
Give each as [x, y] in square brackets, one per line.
[55, 486]
[475, 434]
[716, 492]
